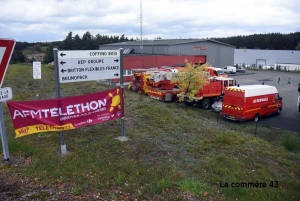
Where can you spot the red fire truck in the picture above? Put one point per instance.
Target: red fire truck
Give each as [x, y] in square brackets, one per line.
[251, 102]
[215, 89]
[157, 84]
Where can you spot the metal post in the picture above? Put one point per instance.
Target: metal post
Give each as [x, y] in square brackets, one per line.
[3, 135]
[63, 146]
[122, 137]
[256, 128]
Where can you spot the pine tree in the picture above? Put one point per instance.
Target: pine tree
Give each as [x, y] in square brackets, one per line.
[49, 57]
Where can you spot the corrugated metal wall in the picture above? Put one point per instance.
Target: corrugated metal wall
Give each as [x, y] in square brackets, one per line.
[216, 54]
[249, 56]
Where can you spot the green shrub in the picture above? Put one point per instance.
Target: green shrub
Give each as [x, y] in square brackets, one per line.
[290, 143]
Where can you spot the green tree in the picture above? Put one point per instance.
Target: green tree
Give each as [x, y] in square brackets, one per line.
[37, 47]
[17, 56]
[87, 42]
[49, 57]
[190, 80]
[77, 42]
[298, 46]
[67, 44]
[122, 39]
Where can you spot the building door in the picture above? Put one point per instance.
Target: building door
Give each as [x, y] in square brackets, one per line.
[260, 63]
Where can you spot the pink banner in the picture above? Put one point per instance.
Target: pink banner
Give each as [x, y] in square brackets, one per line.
[65, 113]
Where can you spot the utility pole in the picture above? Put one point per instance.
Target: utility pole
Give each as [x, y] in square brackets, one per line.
[141, 26]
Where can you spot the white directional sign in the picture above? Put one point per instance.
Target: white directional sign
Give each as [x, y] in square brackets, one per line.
[37, 71]
[5, 94]
[86, 65]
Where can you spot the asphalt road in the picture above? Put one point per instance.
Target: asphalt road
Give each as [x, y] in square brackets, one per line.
[289, 119]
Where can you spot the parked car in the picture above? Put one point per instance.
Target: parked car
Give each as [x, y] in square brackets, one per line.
[217, 106]
[229, 69]
[240, 69]
[266, 67]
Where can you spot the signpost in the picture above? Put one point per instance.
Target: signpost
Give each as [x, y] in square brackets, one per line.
[87, 65]
[6, 50]
[37, 71]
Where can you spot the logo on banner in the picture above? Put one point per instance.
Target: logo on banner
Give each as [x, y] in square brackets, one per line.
[116, 100]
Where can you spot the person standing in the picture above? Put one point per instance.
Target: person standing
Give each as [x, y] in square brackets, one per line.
[278, 80]
[289, 82]
[298, 103]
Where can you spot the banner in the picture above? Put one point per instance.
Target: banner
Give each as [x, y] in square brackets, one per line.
[64, 113]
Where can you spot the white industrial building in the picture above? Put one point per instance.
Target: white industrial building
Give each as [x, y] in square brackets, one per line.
[278, 59]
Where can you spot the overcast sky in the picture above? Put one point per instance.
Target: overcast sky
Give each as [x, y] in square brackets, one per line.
[52, 20]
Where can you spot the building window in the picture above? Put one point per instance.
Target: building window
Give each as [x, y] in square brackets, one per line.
[127, 72]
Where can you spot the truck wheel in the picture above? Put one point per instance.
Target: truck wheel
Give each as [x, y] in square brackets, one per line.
[187, 103]
[175, 99]
[256, 117]
[133, 88]
[278, 111]
[205, 104]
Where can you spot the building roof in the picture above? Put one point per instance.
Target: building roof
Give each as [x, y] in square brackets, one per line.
[165, 42]
[255, 90]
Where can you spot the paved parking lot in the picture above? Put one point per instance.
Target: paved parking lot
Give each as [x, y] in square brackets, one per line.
[289, 119]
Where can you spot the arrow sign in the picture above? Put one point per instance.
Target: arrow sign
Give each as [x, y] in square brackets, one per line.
[87, 65]
[89, 54]
[62, 54]
[6, 50]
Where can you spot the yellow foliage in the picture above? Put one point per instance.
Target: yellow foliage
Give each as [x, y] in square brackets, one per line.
[191, 80]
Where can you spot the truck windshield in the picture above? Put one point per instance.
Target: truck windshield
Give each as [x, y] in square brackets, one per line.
[220, 72]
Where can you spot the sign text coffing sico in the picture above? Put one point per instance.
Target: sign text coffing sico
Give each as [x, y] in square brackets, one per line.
[103, 53]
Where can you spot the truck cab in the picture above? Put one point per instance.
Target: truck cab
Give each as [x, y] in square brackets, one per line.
[215, 72]
[219, 72]
[212, 91]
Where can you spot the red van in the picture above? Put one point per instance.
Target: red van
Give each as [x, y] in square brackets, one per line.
[250, 102]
